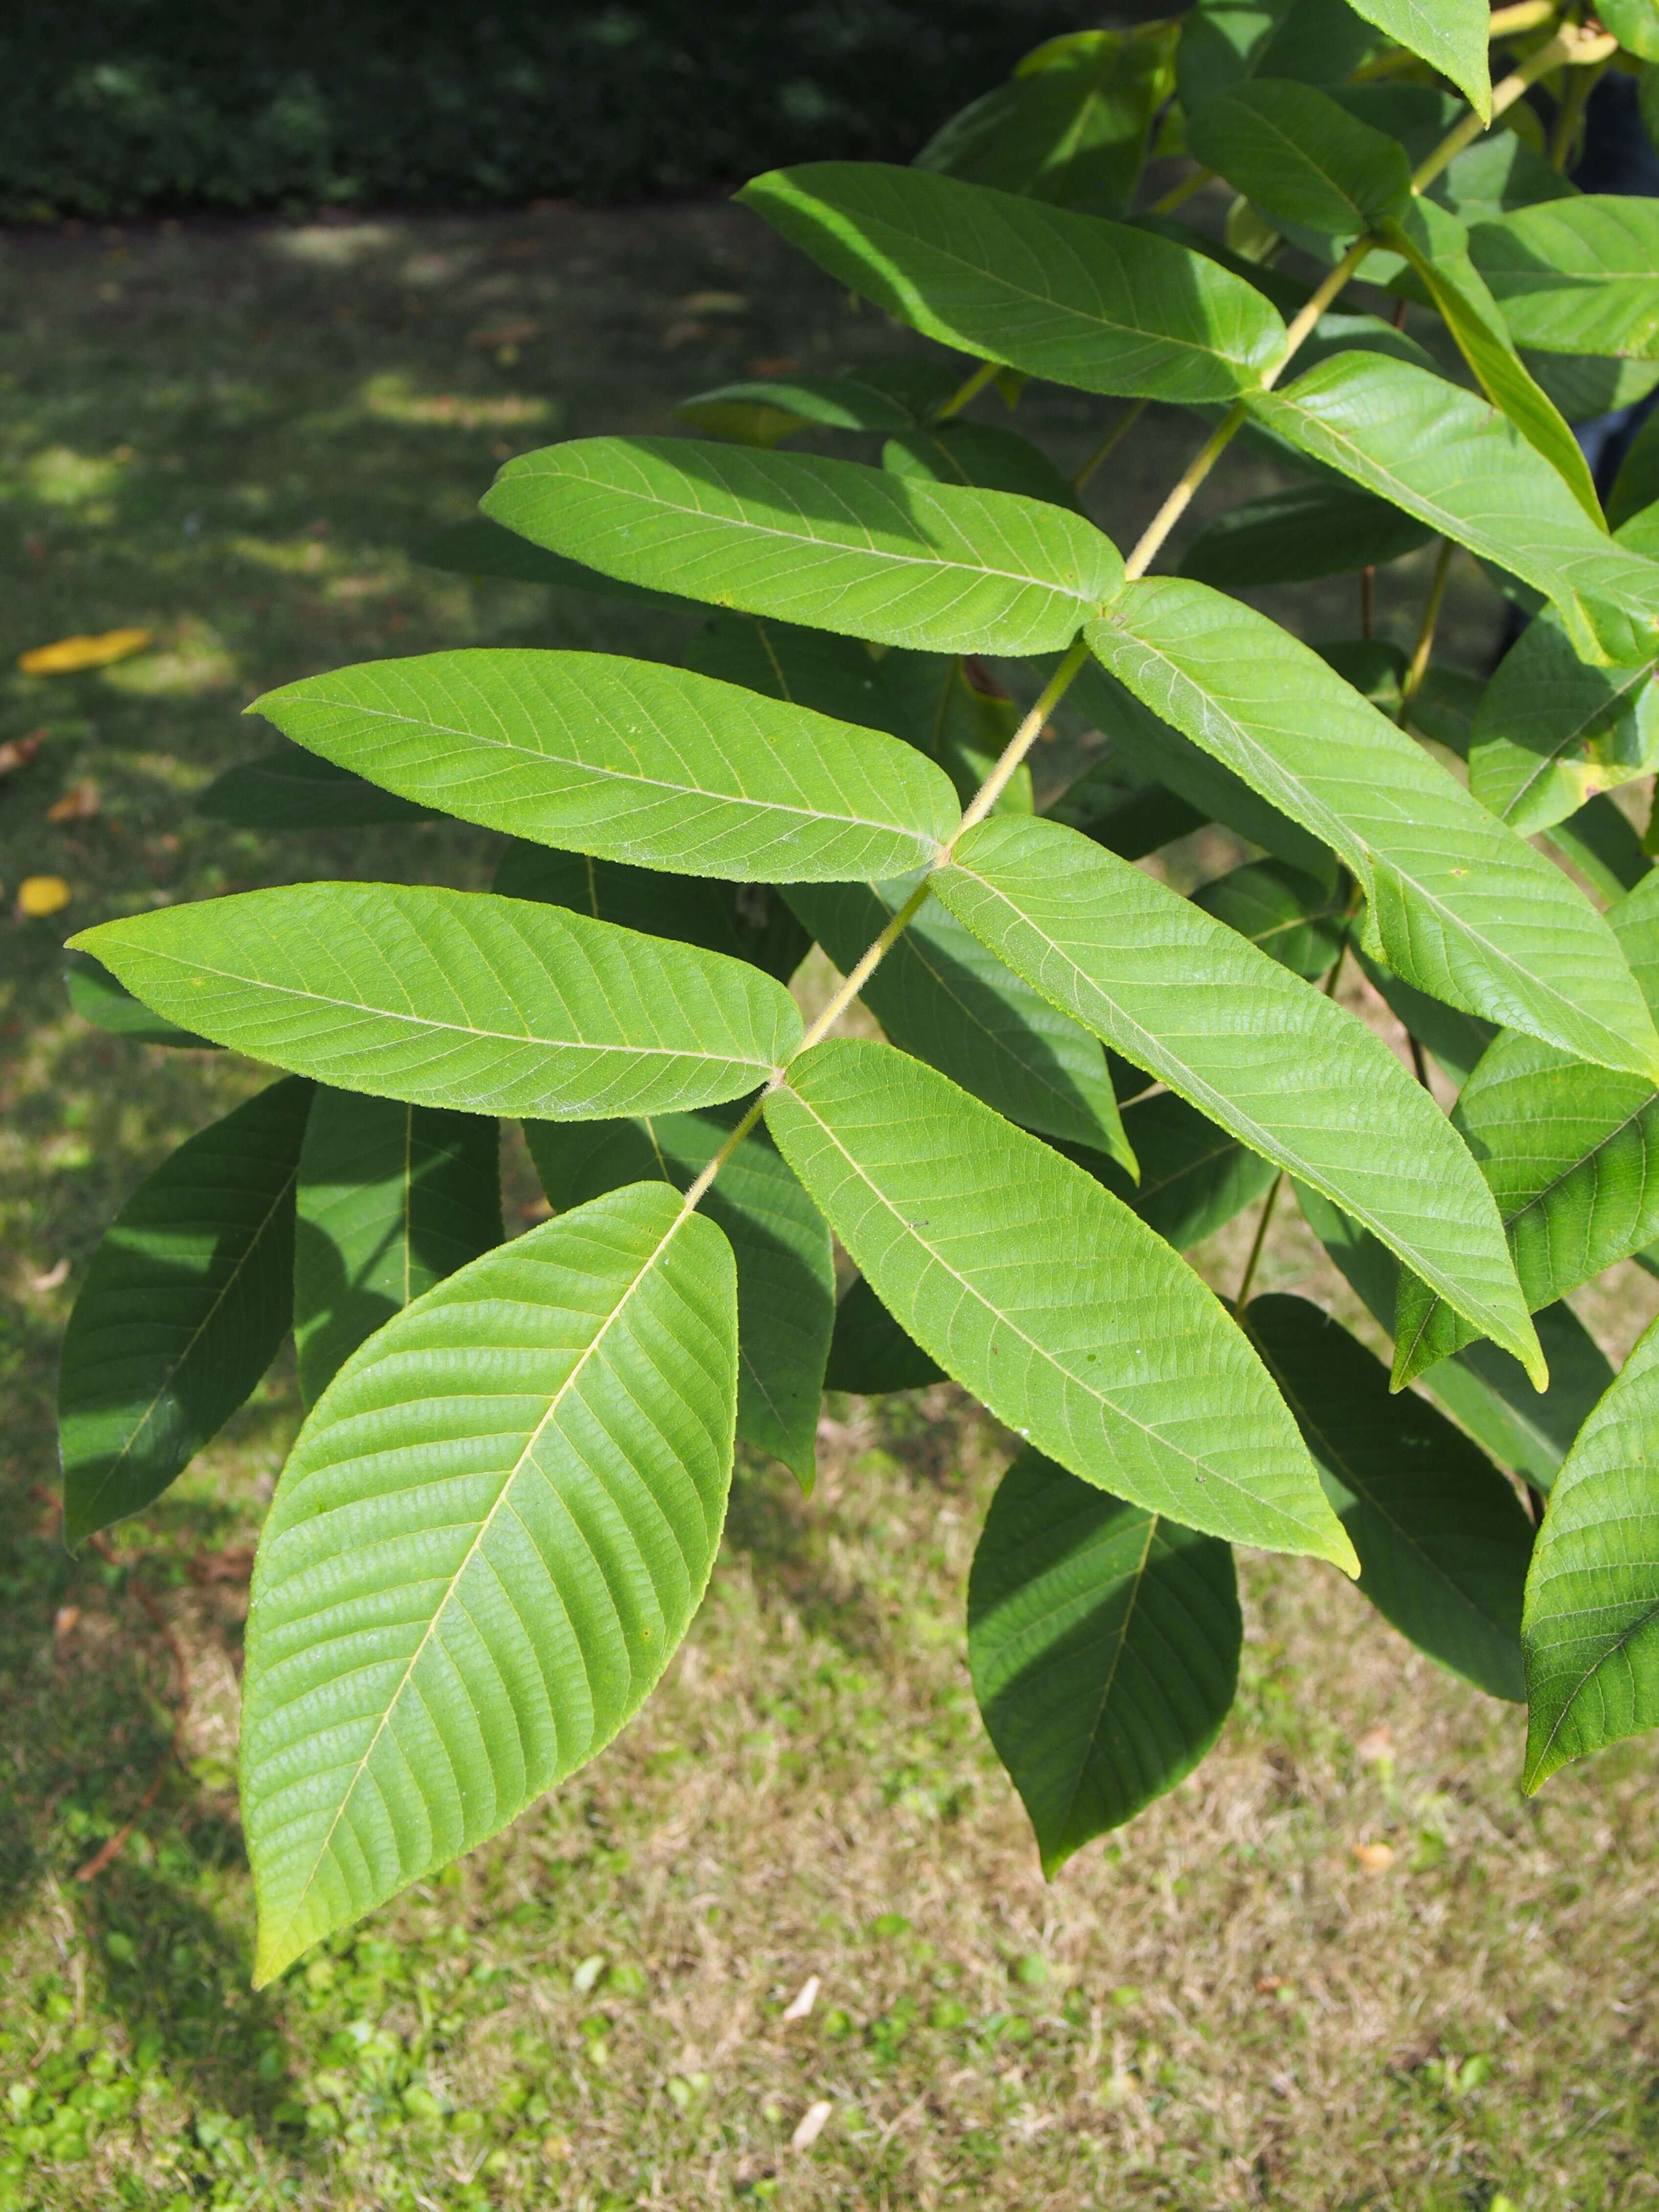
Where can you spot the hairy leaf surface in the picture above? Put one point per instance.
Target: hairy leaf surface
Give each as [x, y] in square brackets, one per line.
[628, 760]
[831, 543]
[785, 1268]
[1442, 1538]
[391, 1199]
[1104, 1643]
[183, 1309]
[1463, 908]
[1047, 1298]
[1073, 298]
[456, 999]
[1255, 1048]
[492, 1534]
[1591, 1628]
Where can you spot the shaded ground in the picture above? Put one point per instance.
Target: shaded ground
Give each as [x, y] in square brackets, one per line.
[232, 435]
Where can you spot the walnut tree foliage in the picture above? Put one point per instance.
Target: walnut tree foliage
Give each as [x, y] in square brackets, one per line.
[502, 1510]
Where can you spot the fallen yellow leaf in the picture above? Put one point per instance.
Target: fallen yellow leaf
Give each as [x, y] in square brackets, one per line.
[70, 654]
[79, 803]
[1374, 1859]
[39, 896]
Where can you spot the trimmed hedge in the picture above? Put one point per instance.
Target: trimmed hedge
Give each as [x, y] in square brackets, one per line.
[109, 107]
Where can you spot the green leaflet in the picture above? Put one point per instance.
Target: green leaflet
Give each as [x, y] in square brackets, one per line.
[941, 995]
[1635, 24]
[1300, 157]
[1442, 1538]
[1569, 1151]
[1495, 176]
[1466, 471]
[1591, 1627]
[1483, 1390]
[1456, 1040]
[1576, 276]
[831, 543]
[1600, 841]
[1450, 35]
[1195, 1176]
[1636, 487]
[183, 1309]
[785, 1269]
[1283, 913]
[1073, 124]
[746, 922]
[1048, 1300]
[981, 454]
[287, 789]
[98, 999]
[1436, 245]
[480, 548]
[1464, 908]
[456, 999]
[1307, 531]
[871, 1354]
[780, 407]
[1086, 302]
[391, 1199]
[1257, 1049]
[1228, 42]
[1126, 820]
[1104, 1643]
[627, 760]
[492, 1532]
[1554, 730]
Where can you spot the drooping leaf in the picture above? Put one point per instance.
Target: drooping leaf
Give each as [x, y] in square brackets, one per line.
[1300, 157]
[1104, 1643]
[1554, 730]
[98, 997]
[1225, 43]
[1464, 908]
[1443, 1540]
[1435, 246]
[1572, 1153]
[1290, 537]
[627, 760]
[1576, 276]
[1196, 1177]
[831, 543]
[1288, 915]
[1098, 305]
[1446, 456]
[785, 1268]
[871, 1354]
[182, 1311]
[1483, 1390]
[1253, 1046]
[288, 789]
[1045, 1297]
[1591, 1626]
[456, 999]
[391, 1199]
[941, 995]
[492, 1532]
[1071, 126]
[1450, 35]
[479, 547]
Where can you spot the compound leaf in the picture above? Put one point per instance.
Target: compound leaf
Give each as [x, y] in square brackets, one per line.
[1442, 1538]
[1046, 1297]
[456, 999]
[627, 760]
[492, 1534]
[785, 1267]
[831, 543]
[1253, 1046]
[1591, 1626]
[1073, 298]
[1464, 908]
[392, 1198]
[183, 1309]
[1103, 1644]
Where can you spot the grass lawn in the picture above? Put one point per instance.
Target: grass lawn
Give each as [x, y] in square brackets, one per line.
[232, 435]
